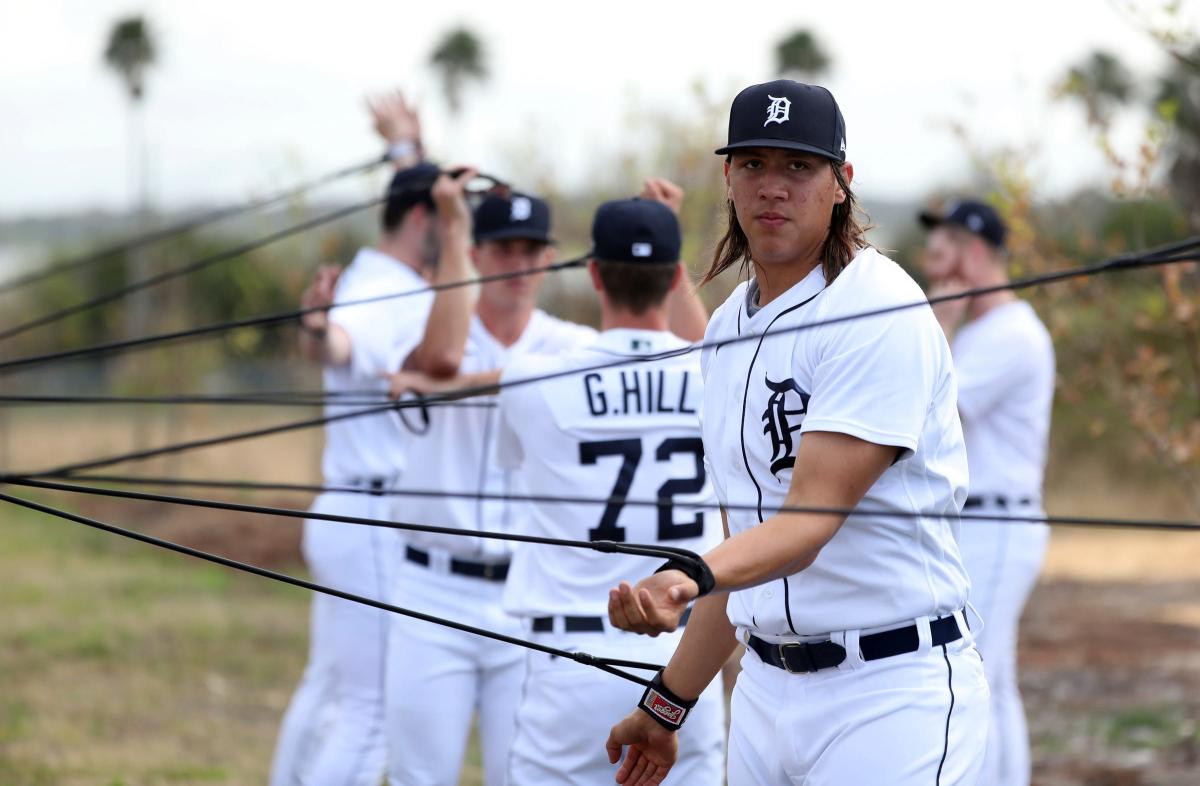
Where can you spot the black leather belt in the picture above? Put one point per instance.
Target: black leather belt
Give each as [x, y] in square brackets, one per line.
[585, 624]
[489, 571]
[376, 484]
[996, 500]
[798, 657]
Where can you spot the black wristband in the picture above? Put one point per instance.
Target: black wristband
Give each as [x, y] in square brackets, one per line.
[665, 707]
[697, 572]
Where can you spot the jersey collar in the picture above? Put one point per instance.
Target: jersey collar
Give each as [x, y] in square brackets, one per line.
[632, 341]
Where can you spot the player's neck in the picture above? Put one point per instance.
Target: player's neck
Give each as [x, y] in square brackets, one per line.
[774, 280]
[401, 249]
[651, 319]
[982, 304]
[506, 324]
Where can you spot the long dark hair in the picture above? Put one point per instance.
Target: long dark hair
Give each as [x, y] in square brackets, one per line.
[846, 236]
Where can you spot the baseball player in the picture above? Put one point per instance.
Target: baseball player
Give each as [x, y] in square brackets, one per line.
[859, 666]
[1004, 359]
[631, 431]
[333, 729]
[437, 678]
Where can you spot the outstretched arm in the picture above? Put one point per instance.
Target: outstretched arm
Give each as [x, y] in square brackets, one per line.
[686, 314]
[832, 471]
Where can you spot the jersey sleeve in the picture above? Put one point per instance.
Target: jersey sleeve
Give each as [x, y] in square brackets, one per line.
[874, 378]
[510, 453]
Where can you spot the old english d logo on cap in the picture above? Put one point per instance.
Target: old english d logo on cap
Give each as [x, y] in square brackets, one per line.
[778, 110]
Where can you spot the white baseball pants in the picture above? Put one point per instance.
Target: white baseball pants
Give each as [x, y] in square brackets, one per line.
[333, 731]
[567, 709]
[918, 719]
[439, 678]
[1003, 560]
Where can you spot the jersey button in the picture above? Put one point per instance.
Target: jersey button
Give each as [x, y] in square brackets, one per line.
[769, 593]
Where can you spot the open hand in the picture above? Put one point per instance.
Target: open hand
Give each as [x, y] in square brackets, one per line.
[652, 750]
[655, 605]
[394, 119]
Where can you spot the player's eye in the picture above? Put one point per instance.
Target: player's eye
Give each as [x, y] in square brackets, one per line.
[797, 165]
[752, 163]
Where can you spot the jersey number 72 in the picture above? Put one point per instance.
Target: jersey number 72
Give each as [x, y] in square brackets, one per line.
[630, 450]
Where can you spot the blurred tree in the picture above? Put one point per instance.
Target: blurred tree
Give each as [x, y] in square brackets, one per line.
[1101, 83]
[130, 52]
[801, 54]
[1178, 101]
[458, 58]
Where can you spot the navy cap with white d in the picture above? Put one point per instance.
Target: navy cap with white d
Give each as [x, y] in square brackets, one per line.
[976, 217]
[790, 115]
[635, 230]
[514, 216]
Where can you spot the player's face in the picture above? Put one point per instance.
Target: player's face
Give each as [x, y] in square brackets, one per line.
[943, 255]
[513, 255]
[784, 201]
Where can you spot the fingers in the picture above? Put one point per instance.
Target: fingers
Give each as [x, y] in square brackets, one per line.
[612, 746]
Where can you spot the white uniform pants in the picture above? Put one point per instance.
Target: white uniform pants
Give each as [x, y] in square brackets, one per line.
[332, 732]
[1003, 560]
[439, 678]
[918, 719]
[567, 709]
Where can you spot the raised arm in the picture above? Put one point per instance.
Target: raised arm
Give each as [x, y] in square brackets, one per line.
[686, 315]
[399, 125]
[442, 345]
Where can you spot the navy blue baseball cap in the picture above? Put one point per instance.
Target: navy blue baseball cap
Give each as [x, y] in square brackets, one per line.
[974, 216]
[409, 187]
[514, 216]
[787, 114]
[635, 230]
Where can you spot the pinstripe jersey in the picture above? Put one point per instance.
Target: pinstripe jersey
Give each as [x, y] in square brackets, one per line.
[886, 379]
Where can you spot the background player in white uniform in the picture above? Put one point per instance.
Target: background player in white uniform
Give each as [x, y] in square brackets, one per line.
[438, 678]
[333, 729]
[1004, 359]
[631, 431]
[857, 414]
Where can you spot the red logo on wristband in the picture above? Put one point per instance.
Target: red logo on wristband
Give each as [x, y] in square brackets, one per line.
[671, 713]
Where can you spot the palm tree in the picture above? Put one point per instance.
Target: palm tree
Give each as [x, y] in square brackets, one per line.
[129, 53]
[458, 58]
[801, 54]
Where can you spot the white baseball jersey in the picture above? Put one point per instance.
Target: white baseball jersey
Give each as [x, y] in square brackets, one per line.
[456, 450]
[629, 431]
[887, 380]
[1005, 365]
[370, 446]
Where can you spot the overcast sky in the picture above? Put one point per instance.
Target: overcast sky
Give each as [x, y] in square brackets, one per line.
[254, 94]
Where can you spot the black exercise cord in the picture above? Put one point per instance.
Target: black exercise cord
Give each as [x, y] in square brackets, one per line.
[611, 665]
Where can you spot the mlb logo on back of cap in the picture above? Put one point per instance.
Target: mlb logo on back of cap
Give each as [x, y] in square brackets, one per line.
[522, 209]
[975, 222]
[642, 250]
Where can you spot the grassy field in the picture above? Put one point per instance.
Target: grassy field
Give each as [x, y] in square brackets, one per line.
[123, 665]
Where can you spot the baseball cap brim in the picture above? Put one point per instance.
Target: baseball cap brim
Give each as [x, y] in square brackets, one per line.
[780, 143]
[515, 233]
[930, 220]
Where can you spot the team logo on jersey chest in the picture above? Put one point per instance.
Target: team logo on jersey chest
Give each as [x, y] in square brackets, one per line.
[783, 417]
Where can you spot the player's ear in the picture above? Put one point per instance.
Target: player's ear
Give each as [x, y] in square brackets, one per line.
[474, 255]
[728, 190]
[594, 273]
[677, 279]
[847, 168]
